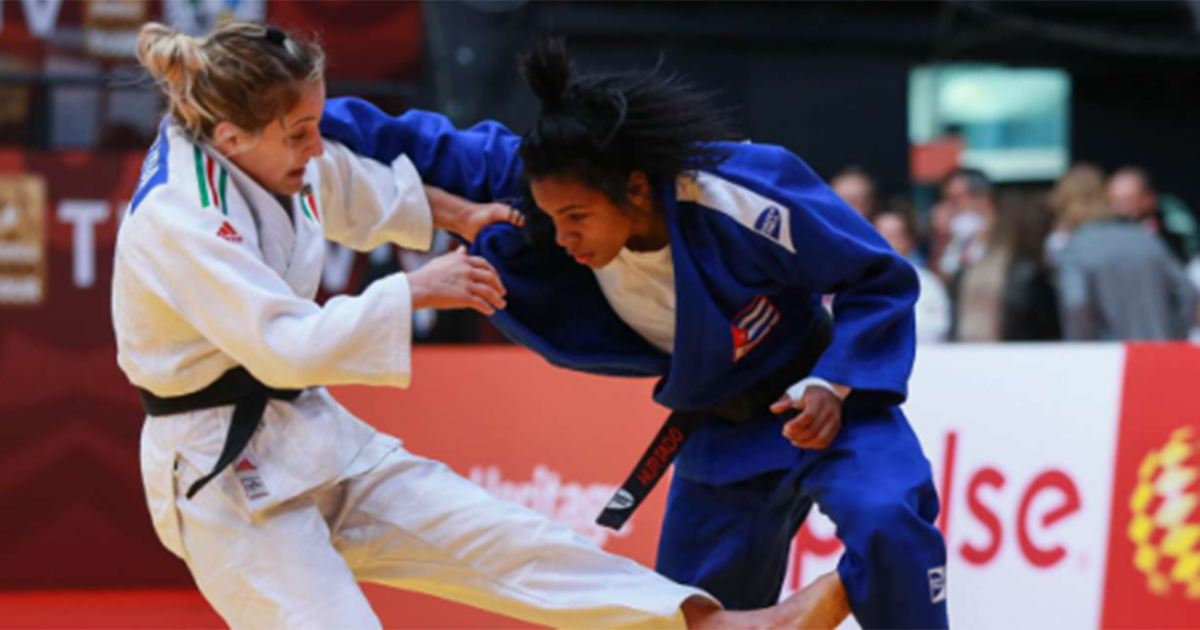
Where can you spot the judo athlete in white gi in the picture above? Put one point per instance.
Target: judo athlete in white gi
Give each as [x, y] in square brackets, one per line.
[277, 498]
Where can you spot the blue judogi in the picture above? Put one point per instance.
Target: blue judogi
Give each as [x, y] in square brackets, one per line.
[755, 243]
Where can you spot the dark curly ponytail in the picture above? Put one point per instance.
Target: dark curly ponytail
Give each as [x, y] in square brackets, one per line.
[598, 129]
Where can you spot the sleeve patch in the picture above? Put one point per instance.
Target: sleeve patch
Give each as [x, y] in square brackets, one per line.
[765, 217]
[154, 167]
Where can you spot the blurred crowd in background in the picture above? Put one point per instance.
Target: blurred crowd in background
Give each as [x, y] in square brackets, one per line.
[1098, 257]
[1095, 257]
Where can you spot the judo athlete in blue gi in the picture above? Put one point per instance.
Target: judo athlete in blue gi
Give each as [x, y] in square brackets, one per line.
[680, 255]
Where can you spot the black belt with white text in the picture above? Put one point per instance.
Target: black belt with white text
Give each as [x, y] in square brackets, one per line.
[680, 425]
[236, 387]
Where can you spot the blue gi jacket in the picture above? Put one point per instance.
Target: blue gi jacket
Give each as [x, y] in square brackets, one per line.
[756, 241]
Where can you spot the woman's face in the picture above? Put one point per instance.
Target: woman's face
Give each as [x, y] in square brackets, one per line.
[893, 230]
[277, 157]
[587, 223]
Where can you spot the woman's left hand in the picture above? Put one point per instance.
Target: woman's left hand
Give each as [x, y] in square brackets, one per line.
[819, 421]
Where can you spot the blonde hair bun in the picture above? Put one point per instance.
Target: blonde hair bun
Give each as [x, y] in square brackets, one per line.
[245, 73]
[168, 55]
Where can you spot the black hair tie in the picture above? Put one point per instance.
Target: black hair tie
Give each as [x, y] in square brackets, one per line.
[275, 36]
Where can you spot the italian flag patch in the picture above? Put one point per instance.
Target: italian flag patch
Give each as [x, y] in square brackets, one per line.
[308, 203]
[211, 178]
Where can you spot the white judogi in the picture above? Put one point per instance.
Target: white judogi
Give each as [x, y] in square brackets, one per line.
[211, 273]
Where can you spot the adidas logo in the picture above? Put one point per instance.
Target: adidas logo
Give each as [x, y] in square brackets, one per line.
[245, 466]
[228, 233]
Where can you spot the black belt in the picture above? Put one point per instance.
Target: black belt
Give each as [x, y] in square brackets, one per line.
[680, 425]
[236, 387]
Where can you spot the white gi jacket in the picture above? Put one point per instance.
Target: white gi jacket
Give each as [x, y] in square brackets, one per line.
[211, 273]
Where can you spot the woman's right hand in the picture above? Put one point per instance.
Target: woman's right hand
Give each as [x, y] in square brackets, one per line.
[456, 280]
[466, 218]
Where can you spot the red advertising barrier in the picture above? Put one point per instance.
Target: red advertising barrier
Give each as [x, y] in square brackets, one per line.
[552, 440]
[1069, 483]
[1154, 552]
[69, 439]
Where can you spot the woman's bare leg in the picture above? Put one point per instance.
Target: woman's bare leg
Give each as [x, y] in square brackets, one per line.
[821, 605]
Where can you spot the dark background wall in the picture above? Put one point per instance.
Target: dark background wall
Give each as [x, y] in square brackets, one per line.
[829, 80]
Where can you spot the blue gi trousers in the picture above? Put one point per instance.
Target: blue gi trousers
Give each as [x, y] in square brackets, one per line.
[873, 482]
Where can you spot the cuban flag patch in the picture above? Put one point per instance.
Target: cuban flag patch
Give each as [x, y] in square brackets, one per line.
[752, 325]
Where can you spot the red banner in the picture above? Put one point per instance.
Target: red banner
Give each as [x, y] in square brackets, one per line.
[1154, 550]
[69, 443]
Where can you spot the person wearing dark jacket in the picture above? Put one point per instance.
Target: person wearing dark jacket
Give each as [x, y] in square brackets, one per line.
[1007, 294]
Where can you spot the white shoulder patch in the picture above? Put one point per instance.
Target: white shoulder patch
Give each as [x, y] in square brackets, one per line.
[766, 217]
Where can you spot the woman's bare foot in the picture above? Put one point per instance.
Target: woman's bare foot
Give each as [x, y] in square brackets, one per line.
[821, 605]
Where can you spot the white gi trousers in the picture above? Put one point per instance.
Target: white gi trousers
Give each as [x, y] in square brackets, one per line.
[393, 518]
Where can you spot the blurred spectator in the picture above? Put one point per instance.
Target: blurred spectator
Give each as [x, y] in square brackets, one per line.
[967, 207]
[1005, 294]
[1132, 195]
[1118, 282]
[898, 227]
[1077, 196]
[937, 239]
[857, 189]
